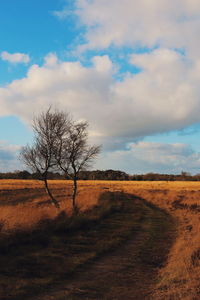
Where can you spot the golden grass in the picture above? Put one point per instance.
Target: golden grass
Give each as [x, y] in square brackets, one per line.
[179, 278]
[25, 203]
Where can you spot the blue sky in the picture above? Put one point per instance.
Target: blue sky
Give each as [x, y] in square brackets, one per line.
[30, 27]
[131, 70]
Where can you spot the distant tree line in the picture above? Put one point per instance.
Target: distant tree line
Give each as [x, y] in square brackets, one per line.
[104, 175]
[183, 176]
[28, 175]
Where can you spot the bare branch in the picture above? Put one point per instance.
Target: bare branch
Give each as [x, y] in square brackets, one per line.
[75, 153]
[60, 143]
[49, 128]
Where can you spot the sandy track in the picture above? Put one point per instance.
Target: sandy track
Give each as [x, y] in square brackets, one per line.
[125, 273]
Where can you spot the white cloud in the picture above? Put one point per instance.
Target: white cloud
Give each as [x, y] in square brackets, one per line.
[81, 90]
[146, 157]
[15, 57]
[140, 23]
[62, 14]
[163, 97]
[51, 60]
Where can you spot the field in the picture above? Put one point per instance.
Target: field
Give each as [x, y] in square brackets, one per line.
[24, 204]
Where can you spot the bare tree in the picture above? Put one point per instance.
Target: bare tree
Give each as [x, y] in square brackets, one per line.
[60, 144]
[48, 127]
[75, 154]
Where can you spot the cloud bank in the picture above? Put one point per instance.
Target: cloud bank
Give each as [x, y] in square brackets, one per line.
[173, 24]
[164, 95]
[144, 157]
[139, 157]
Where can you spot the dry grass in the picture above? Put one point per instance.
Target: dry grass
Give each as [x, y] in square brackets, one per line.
[179, 279]
[24, 203]
[49, 258]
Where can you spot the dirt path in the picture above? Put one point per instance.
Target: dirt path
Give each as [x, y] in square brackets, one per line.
[116, 276]
[129, 272]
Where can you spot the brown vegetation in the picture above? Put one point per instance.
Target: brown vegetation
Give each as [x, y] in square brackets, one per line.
[24, 203]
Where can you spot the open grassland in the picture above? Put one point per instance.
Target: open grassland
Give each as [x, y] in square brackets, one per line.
[24, 204]
[76, 258]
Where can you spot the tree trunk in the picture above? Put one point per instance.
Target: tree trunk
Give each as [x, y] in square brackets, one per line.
[53, 200]
[75, 208]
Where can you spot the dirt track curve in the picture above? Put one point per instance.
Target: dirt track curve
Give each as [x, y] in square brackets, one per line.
[128, 272]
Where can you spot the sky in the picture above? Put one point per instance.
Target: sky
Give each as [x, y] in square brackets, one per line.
[130, 68]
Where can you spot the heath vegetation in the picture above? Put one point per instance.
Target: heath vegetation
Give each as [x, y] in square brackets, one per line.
[24, 205]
